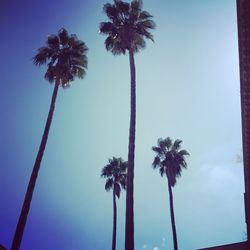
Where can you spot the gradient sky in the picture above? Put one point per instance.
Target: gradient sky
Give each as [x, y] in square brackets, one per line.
[187, 88]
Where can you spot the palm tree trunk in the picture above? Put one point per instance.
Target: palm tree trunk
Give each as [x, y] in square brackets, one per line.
[114, 222]
[129, 230]
[31, 186]
[171, 202]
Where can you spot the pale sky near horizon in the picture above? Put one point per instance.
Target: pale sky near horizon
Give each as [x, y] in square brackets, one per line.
[187, 88]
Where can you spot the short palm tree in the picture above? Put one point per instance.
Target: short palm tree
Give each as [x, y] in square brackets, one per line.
[170, 160]
[66, 58]
[126, 30]
[116, 173]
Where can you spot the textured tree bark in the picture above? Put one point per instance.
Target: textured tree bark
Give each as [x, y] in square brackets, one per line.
[17, 239]
[114, 222]
[171, 202]
[129, 227]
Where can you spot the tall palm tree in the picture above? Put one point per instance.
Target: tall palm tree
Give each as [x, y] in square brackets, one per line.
[116, 173]
[126, 30]
[66, 58]
[170, 160]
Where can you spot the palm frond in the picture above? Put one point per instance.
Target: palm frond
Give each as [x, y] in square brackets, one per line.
[123, 166]
[107, 28]
[111, 11]
[139, 43]
[53, 42]
[144, 15]
[66, 78]
[50, 73]
[157, 162]
[109, 43]
[123, 8]
[177, 144]
[63, 36]
[109, 184]
[181, 161]
[176, 168]
[123, 181]
[158, 150]
[162, 144]
[136, 6]
[147, 24]
[167, 143]
[183, 152]
[162, 171]
[107, 171]
[43, 54]
[80, 72]
[114, 45]
[143, 32]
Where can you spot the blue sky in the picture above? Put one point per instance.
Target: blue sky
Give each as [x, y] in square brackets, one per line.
[187, 88]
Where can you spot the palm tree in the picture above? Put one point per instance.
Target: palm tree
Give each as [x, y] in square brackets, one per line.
[126, 29]
[116, 174]
[170, 160]
[66, 58]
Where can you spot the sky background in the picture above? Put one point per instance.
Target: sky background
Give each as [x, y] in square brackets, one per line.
[187, 88]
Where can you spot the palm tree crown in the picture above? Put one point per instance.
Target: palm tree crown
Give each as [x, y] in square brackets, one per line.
[66, 58]
[127, 28]
[170, 159]
[116, 174]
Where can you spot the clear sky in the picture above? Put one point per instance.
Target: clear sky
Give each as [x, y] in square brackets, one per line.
[187, 88]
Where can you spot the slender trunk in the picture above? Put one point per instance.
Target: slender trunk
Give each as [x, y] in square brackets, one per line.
[129, 230]
[171, 202]
[32, 182]
[114, 222]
